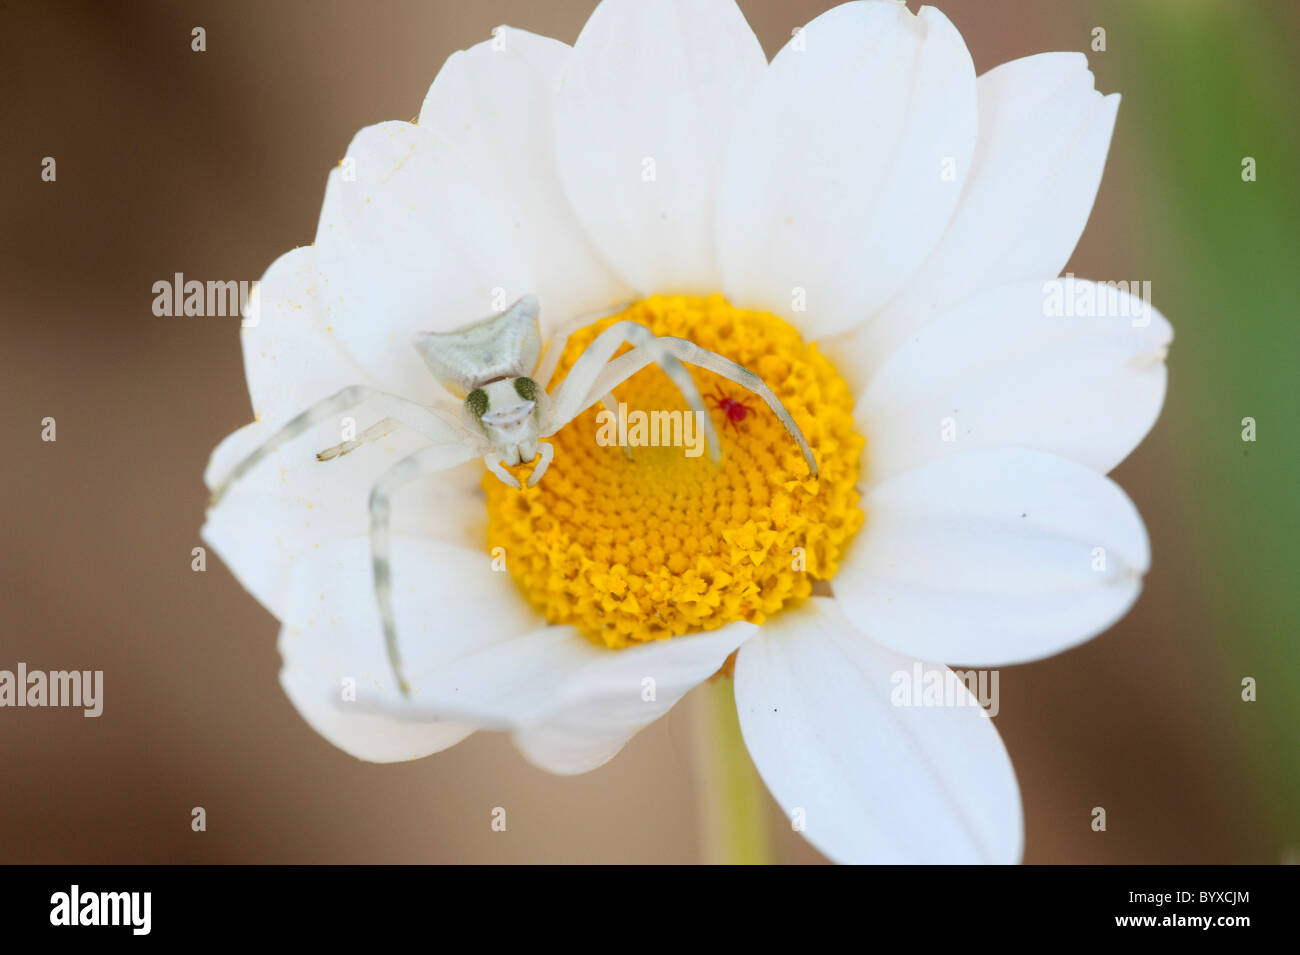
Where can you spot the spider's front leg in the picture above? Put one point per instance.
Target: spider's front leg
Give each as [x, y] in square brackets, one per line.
[625, 366]
[585, 384]
[560, 338]
[551, 360]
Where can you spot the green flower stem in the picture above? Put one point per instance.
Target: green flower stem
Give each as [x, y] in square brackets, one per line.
[733, 800]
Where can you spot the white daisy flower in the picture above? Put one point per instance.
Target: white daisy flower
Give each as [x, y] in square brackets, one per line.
[863, 223]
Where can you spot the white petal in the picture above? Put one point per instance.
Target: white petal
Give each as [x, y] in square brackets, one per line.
[446, 600]
[835, 177]
[572, 704]
[1044, 133]
[495, 103]
[1004, 369]
[642, 117]
[416, 241]
[609, 701]
[993, 557]
[871, 781]
[291, 357]
[291, 504]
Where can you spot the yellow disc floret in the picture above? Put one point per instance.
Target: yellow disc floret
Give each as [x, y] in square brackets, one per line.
[668, 543]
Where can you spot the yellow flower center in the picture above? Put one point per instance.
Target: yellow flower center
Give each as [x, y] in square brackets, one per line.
[666, 543]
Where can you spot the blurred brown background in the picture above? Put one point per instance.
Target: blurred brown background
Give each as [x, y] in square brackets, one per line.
[214, 163]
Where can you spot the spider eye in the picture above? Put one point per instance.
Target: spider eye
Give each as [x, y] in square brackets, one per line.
[527, 388]
[477, 402]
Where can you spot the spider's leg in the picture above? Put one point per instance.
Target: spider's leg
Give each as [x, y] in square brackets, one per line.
[560, 337]
[426, 461]
[693, 354]
[380, 429]
[610, 404]
[579, 390]
[625, 366]
[434, 425]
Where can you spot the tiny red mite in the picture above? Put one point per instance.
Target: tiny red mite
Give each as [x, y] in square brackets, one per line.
[735, 411]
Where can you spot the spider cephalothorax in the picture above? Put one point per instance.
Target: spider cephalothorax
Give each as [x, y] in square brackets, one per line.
[495, 365]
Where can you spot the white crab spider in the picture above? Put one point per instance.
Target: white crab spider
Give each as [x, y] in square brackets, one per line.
[495, 365]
